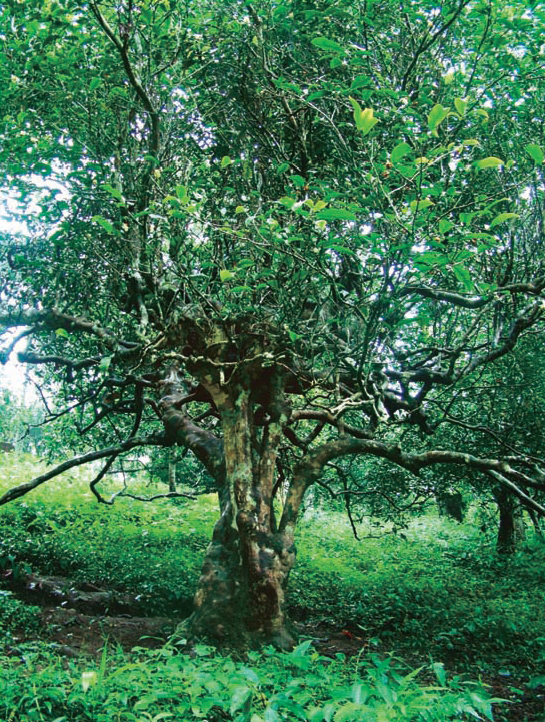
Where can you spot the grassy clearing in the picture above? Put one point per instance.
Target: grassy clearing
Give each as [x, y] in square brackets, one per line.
[442, 590]
[438, 593]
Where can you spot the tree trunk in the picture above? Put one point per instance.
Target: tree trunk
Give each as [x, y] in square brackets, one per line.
[506, 542]
[172, 462]
[241, 593]
[240, 599]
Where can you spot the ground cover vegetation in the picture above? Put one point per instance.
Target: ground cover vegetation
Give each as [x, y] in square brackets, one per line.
[400, 626]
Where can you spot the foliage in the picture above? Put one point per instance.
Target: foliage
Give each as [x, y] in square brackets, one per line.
[436, 588]
[155, 552]
[300, 685]
[278, 236]
[16, 615]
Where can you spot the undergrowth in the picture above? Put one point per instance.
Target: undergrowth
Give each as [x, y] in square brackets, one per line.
[438, 591]
[265, 687]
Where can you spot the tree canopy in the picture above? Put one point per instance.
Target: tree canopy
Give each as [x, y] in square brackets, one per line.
[276, 234]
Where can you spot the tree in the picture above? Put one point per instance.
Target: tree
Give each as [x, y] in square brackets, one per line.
[275, 234]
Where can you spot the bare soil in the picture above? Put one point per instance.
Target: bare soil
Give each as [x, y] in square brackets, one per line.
[78, 619]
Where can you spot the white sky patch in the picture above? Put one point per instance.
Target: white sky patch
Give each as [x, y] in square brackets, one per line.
[14, 375]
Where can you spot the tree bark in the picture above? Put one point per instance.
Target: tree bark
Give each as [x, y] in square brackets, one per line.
[240, 599]
[506, 542]
[241, 595]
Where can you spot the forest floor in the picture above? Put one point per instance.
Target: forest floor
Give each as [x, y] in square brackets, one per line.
[78, 619]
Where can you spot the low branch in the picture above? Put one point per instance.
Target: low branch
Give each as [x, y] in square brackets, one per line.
[311, 466]
[53, 320]
[456, 299]
[27, 357]
[168, 495]
[17, 491]
[526, 500]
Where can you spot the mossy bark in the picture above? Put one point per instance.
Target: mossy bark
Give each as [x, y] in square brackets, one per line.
[240, 600]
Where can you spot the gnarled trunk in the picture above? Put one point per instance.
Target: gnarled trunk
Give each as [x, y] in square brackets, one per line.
[241, 593]
[240, 599]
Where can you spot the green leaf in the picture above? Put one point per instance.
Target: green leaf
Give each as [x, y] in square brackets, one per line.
[241, 698]
[297, 180]
[107, 225]
[461, 105]
[445, 225]
[114, 192]
[462, 274]
[503, 217]
[421, 204]
[62, 332]
[363, 117]
[240, 289]
[489, 162]
[336, 214]
[225, 161]
[483, 113]
[400, 151]
[436, 116]
[282, 168]
[181, 192]
[226, 275]
[439, 669]
[328, 45]
[535, 152]
[105, 363]
[360, 81]
[246, 263]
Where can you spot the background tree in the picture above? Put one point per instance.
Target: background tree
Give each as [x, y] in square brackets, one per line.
[276, 235]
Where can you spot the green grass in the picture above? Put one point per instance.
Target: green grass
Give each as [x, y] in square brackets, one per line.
[440, 590]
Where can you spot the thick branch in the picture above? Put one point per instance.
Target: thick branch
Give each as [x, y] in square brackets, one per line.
[27, 357]
[53, 320]
[526, 500]
[204, 444]
[454, 298]
[311, 466]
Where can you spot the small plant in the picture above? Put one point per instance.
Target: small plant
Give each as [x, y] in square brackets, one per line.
[16, 615]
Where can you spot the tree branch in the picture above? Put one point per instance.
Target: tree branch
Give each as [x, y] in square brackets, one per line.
[22, 489]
